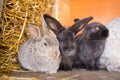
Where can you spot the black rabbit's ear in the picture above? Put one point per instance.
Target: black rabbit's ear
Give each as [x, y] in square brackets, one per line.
[80, 24]
[75, 20]
[53, 24]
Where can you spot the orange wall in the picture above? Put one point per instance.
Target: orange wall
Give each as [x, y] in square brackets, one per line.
[102, 10]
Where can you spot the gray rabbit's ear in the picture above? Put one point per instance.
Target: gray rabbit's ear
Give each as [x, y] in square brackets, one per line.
[53, 24]
[34, 31]
[80, 24]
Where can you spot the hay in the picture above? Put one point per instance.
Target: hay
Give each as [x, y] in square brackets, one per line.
[69, 78]
[5, 77]
[15, 15]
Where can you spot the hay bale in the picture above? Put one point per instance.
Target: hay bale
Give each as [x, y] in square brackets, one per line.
[15, 15]
[1, 6]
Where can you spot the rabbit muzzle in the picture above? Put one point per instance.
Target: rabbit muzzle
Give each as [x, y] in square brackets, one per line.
[54, 55]
[99, 35]
[69, 52]
[104, 33]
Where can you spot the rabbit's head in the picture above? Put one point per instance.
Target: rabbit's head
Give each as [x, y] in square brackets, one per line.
[96, 31]
[66, 36]
[45, 42]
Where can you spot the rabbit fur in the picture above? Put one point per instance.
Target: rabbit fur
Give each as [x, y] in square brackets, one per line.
[110, 58]
[90, 46]
[40, 53]
[66, 39]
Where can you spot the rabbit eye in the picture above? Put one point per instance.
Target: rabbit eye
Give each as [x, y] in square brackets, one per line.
[65, 48]
[93, 30]
[45, 44]
[61, 40]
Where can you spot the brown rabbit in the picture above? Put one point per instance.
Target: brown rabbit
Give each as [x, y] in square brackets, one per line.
[40, 53]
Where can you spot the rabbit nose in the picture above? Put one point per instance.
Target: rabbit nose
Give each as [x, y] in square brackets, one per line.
[54, 55]
[57, 54]
[104, 33]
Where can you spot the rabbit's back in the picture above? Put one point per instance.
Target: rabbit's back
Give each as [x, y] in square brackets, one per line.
[111, 55]
[25, 55]
[114, 27]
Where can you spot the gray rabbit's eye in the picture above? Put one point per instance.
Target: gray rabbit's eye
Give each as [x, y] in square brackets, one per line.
[45, 44]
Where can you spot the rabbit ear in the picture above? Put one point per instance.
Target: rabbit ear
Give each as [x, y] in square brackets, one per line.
[80, 24]
[34, 31]
[44, 26]
[53, 24]
[75, 20]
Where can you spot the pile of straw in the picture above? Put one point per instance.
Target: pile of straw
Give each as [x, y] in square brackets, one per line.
[15, 15]
[5, 77]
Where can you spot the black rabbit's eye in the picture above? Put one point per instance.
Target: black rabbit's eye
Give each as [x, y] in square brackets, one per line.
[65, 48]
[60, 40]
[45, 44]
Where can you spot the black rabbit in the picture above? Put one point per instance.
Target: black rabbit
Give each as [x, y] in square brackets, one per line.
[66, 38]
[90, 46]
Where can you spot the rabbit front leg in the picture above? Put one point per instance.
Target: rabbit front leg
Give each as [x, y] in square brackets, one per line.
[113, 68]
[93, 64]
[66, 63]
[97, 64]
[78, 63]
[51, 72]
[89, 64]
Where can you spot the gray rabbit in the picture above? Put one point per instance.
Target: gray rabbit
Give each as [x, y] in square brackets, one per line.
[90, 46]
[40, 53]
[66, 38]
